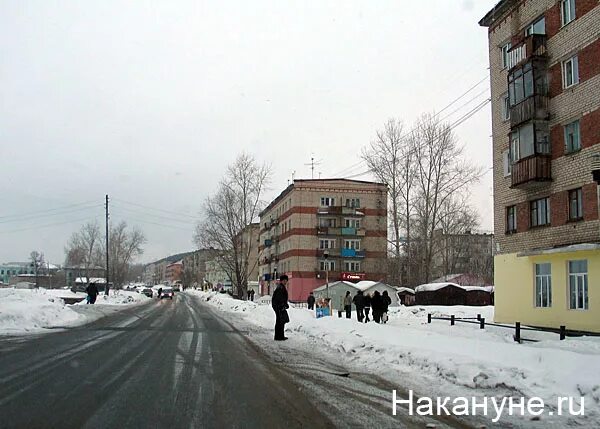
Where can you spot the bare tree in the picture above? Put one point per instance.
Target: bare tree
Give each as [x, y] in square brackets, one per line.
[229, 215]
[441, 172]
[83, 249]
[390, 158]
[124, 246]
[37, 263]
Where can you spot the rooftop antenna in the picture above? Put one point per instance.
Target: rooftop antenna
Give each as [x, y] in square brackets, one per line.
[312, 164]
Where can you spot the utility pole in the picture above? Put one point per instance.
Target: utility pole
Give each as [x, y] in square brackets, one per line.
[106, 288]
[312, 164]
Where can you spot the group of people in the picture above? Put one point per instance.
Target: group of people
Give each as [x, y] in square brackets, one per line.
[364, 303]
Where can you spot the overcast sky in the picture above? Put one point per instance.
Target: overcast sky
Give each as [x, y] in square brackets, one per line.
[148, 101]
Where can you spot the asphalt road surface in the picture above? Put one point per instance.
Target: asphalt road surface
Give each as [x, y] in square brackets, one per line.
[175, 364]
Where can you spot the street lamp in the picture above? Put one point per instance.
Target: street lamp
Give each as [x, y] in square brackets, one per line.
[326, 255]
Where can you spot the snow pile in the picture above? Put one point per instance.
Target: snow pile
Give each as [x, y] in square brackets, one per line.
[459, 360]
[35, 310]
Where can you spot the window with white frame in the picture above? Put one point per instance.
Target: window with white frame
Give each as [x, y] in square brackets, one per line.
[505, 107]
[352, 244]
[327, 222]
[506, 163]
[567, 11]
[327, 201]
[536, 27]
[352, 223]
[572, 139]
[327, 265]
[327, 244]
[543, 285]
[540, 212]
[352, 266]
[511, 219]
[576, 204]
[504, 54]
[578, 285]
[570, 71]
[353, 202]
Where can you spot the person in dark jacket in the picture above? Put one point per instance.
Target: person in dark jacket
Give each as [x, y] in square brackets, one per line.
[310, 301]
[159, 292]
[367, 302]
[348, 305]
[92, 291]
[377, 306]
[387, 301]
[279, 302]
[359, 303]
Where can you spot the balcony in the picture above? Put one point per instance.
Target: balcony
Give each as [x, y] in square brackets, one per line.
[331, 253]
[533, 45]
[352, 253]
[339, 211]
[268, 243]
[328, 230]
[534, 169]
[532, 108]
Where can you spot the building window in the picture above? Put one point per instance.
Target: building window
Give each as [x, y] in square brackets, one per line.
[511, 219]
[536, 27]
[352, 244]
[567, 11]
[570, 69]
[575, 204]
[326, 244]
[543, 285]
[327, 265]
[352, 266]
[572, 140]
[507, 163]
[505, 107]
[540, 212]
[353, 202]
[529, 140]
[352, 223]
[327, 223]
[578, 285]
[504, 54]
[327, 201]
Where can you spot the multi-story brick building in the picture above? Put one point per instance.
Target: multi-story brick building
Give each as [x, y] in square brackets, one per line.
[545, 90]
[335, 228]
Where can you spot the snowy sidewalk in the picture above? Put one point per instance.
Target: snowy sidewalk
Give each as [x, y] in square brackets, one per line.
[26, 311]
[454, 361]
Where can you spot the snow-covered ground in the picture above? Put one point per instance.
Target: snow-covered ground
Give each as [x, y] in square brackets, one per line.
[25, 311]
[439, 359]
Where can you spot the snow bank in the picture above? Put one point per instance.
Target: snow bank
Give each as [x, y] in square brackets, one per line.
[25, 311]
[459, 360]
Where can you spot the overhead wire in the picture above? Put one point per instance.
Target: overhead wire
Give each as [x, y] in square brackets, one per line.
[31, 228]
[155, 209]
[36, 212]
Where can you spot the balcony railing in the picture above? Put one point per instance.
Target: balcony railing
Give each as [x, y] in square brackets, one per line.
[534, 169]
[331, 253]
[352, 253]
[532, 108]
[328, 230]
[340, 210]
[533, 45]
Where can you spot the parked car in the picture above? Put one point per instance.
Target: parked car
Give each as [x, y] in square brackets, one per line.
[148, 292]
[167, 292]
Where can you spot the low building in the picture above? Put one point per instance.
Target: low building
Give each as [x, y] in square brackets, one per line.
[453, 294]
[465, 279]
[71, 273]
[13, 269]
[406, 295]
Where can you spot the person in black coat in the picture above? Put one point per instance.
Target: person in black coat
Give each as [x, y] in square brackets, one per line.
[387, 301]
[310, 301]
[367, 301]
[377, 306]
[279, 302]
[92, 291]
[359, 303]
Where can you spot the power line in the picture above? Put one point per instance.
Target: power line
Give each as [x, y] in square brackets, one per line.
[140, 213]
[48, 210]
[135, 219]
[463, 94]
[50, 225]
[154, 208]
[43, 216]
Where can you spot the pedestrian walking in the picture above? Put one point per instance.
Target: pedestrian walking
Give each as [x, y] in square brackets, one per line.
[92, 291]
[310, 301]
[367, 301]
[359, 303]
[348, 305]
[159, 292]
[387, 301]
[279, 302]
[377, 306]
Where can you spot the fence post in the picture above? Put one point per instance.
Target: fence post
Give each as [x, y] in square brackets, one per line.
[428, 317]
[482, 323]
[478, 316]
[518, 332]
[452, 320]
[563, 332]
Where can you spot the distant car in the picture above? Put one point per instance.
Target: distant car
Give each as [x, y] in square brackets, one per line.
[148, 292]
[167, 292]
